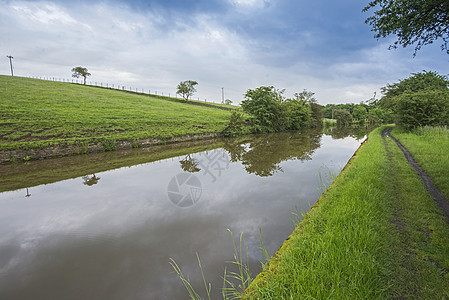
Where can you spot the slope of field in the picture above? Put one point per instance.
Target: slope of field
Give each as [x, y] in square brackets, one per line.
[37, 114]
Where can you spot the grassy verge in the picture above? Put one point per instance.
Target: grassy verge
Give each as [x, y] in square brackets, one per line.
[429, 146]
[374, 234]
[420, 241]
[37, 114]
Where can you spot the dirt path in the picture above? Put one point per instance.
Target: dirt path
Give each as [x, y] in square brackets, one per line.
[437, 195]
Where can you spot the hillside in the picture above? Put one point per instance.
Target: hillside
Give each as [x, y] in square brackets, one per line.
[36, 114]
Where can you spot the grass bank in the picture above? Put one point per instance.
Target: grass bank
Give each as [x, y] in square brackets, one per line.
[376, 233]
[429, 146]
[38, 114]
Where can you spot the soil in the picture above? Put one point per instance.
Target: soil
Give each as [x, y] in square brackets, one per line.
[435, 192]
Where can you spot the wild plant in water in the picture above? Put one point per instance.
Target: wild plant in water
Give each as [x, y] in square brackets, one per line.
[193, 295]
[234, 282]
[325, 178]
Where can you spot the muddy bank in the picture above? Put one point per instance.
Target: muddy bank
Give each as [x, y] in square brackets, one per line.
[67, 150]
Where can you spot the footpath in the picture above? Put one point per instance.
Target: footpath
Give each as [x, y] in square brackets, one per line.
[380, 231]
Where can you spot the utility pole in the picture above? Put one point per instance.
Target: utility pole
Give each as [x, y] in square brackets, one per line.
[10, 63]
[222, 95]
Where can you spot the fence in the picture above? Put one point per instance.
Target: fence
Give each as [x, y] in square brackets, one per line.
[119, 87]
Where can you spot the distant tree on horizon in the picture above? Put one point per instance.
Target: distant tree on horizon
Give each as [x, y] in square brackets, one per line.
[186, 89]
[80, 72]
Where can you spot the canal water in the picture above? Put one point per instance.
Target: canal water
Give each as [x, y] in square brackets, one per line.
[106, 226]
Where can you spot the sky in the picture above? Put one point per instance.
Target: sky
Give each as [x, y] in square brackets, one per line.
[226, 46]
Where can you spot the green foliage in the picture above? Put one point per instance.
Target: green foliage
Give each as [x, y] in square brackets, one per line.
[80, 72]
[186, 89]
[419, 22]
[425, 108]
[236, 124]
[343, 117]
[426, 80]
[264, 105]
[228, 102]
[109, 145]
[316, 114]
[297, 114]
[360, 113]
[270, 111]
[418, 100]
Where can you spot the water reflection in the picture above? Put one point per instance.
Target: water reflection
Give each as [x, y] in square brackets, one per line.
[189, 164]
[263, 154]
[114, 239]
[340, 132]
[90, 180]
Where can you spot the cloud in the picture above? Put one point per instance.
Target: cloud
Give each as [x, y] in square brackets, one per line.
[155, 45]
[247, 4]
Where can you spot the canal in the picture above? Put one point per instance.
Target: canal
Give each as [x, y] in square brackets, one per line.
[105, 226]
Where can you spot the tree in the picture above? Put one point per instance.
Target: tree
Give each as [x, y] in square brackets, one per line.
[297, 113]
[424, 108]
[422, 99]
[414, 22]
[264, 106]
[417, 82]
[343, 117]
[80, 72]
[186, 89]
[316, 112]
[360, 114]
[90, 180]
[228, 102]
[190, 164]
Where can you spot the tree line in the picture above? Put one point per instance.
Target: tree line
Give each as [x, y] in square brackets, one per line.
[419, 100]
[267, 110]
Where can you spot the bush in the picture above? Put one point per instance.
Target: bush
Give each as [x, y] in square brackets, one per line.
[423, 108]
[264, 105]
[236, 124]
[343, 117]
[297, 114]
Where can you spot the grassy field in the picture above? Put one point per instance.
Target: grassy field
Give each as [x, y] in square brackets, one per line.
[376, 233]
[36, 114]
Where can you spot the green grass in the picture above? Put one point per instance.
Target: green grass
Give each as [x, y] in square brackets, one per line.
[36, 113]
[420, 241]
[429, 146]
[374, 234]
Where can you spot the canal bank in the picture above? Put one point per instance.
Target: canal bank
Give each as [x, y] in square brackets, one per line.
[75, 227]
[376, 233]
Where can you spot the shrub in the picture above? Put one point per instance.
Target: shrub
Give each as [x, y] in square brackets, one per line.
[423, 108]
[343, 117]
[264, 105]
[236, 124]
[296, 114]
